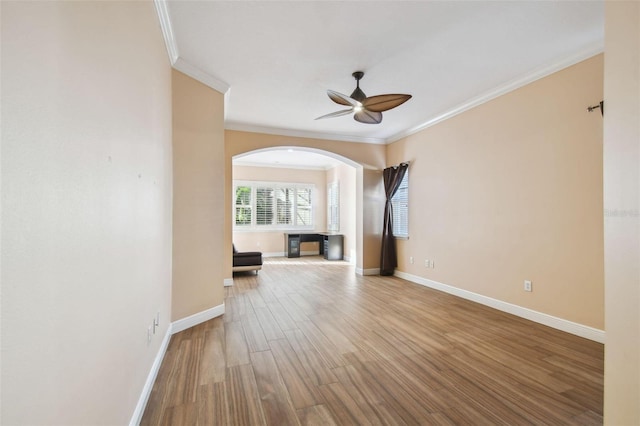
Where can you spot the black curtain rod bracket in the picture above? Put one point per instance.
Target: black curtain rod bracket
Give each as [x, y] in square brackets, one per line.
[599, 106]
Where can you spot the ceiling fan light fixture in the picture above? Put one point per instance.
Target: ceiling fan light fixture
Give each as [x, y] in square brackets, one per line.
[366, 110]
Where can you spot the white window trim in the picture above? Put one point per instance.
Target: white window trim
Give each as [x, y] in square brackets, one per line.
[254, 227]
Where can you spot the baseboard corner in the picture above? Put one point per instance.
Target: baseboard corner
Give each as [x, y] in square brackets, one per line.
[198, 318]
[366, 272]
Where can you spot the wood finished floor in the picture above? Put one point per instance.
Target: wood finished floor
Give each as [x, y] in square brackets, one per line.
[308, 342]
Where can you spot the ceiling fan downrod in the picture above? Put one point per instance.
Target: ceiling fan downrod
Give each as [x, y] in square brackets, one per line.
[358, 94]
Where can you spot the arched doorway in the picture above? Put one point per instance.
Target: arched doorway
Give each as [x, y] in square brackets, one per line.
[368, 160]
[263, 178]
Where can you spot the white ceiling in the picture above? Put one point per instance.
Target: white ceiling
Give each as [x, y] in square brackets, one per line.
[278, 58]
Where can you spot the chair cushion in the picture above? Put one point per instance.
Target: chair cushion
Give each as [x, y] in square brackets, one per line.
[247, 258]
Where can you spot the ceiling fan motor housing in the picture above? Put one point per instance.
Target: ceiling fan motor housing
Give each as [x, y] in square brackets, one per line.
[358, 94]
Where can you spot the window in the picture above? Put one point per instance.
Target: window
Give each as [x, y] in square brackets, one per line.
[400, 203]
[243, 205]
[264, 206]
[261, 205]
[304, 207]
[333, 207]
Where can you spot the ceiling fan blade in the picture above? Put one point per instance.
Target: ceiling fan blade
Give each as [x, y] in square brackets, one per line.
[368, 117]
[336, 114]
[341, 99]
[384, 102]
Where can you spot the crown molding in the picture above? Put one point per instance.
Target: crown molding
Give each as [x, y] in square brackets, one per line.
[202, 76]
[215, 83]
[503, 89]
[243, 127]
[167, 30]
[179, 63]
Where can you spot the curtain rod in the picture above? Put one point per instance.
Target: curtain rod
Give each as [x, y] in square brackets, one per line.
[398, 165]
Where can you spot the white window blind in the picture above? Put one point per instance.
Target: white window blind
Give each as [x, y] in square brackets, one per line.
[400, 203]
[243, 206]
[264, 206]
[284, 206]
[303, 206]
[267, 205]
[333, 206]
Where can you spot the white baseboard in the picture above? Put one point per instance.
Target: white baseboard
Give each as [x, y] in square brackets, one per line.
[195, 319]
[228, 282]
[274, 254]
[151, 379]
[539, 317]
[348, 259]
[372, 271]
[174, 327]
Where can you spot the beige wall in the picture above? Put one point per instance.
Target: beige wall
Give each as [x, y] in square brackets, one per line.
[622, 213]
[198, 187]
[511, 191]
[346, 177]
[370, 194]
[273, 241]
[86, 200]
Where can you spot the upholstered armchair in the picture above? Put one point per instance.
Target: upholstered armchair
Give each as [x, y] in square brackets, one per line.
[247, 260]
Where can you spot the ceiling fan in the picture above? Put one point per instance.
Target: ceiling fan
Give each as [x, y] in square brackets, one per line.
[366, 109]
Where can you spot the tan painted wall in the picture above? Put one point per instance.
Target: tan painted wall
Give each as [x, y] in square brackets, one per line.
[372, 218]
[368, 183]
[273, 241]
[622, 213]
[512, 191]
[198, 187]
[86, 203]
[346, 177]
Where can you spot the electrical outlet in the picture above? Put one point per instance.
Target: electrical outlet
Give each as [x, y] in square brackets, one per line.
[427, 263]
[411, 260]
[156, 322]
[527, 285]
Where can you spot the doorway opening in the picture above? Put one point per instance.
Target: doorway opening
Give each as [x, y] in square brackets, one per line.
[293, 201]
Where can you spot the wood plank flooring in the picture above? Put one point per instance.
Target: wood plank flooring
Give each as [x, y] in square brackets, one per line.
[308, 342]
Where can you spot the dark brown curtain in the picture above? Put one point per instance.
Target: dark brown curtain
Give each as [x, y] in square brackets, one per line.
[392, 177]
